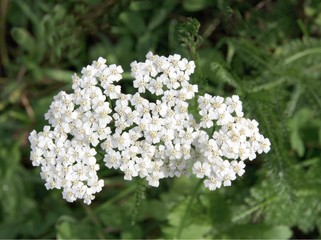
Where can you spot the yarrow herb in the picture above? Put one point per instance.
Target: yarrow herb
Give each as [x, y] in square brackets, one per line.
[147, 139]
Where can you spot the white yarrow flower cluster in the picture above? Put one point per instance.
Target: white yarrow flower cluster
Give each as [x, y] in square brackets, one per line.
[147, 139]
[153, 140]
[235, 139]
[79, 122]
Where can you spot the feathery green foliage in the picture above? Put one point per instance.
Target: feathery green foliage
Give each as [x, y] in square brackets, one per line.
[267, 52]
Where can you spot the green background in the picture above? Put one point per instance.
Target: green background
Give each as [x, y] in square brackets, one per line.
[268, 52]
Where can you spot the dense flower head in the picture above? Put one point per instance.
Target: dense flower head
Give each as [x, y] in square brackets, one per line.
[140, 137]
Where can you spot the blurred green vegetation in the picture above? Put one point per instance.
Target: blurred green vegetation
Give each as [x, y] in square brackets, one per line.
[268, 52]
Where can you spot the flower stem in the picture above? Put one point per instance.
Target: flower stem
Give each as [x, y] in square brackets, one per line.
[95, 220]
[183, 219]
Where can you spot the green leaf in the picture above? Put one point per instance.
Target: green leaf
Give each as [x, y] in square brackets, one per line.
[174, 217]
[196, 231]
[193, 231]
[109, 216]
[64, 228]
[133, 22]
[160, 14]
[58, 74]
[297, 143]
[222, 74]
[132, 232]
[156, 209]
[300, 119]
[219, 209]
[261, 231]
[146, 43]
[141, 5]
[302, 54]
[158, 18]
[195, 5]
[24, 39]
